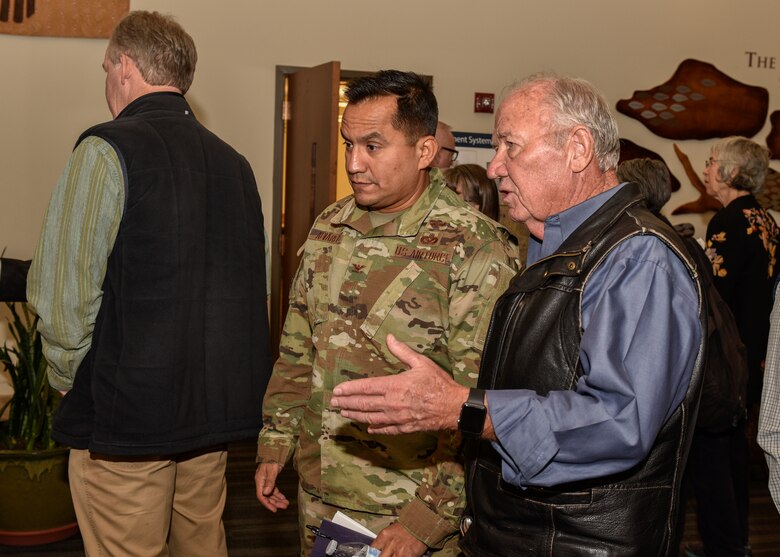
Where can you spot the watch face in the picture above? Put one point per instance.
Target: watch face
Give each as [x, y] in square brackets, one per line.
[472, 420]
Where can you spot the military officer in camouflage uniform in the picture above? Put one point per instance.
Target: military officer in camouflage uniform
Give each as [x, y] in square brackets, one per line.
[403, 255]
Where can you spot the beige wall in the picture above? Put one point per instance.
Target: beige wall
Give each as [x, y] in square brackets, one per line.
[52, 88]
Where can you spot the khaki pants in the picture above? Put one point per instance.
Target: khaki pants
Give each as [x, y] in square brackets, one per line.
[150, 507]
[312, 510]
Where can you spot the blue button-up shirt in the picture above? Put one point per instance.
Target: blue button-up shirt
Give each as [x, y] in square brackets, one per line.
[640, 339]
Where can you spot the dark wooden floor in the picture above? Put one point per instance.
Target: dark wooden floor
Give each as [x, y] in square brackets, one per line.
[254, 532]
[764, 523]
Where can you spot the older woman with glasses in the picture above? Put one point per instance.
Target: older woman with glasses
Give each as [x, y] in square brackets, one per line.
[741, 243]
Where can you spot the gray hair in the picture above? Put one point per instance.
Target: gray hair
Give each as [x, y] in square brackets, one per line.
[576, 102]
[749, 159]
[653, 179]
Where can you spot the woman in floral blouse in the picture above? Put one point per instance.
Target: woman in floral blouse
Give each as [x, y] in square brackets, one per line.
[741, 244]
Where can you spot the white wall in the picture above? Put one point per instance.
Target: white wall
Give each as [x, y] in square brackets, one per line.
[51, 89]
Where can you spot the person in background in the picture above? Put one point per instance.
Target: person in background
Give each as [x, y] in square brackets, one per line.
[715, 480]
[471, 183]
[652, 175]
[447, 154]
[578, 431]
[402, 255]
[769, 417]
[653, 178]
[741, 242]
[149, 279]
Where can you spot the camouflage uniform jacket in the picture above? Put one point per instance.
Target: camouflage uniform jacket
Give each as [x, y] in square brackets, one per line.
[430, 277]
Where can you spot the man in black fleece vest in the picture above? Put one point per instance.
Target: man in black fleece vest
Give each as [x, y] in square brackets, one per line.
[149, 278]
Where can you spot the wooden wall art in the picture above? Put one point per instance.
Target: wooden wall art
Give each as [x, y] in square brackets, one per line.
[61, 18]
[773, 139]
[699, 102]
[769, 196]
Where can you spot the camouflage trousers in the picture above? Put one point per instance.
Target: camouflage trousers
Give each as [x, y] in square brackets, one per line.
[312, 510]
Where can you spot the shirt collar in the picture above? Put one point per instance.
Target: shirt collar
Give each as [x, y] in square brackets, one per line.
[155, 101]
[408, 223]
[558, 227]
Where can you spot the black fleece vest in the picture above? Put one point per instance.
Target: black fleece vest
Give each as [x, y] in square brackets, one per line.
[536, 328]
[180, 353]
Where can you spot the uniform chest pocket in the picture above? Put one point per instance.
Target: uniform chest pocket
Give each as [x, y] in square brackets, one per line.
[413, 307]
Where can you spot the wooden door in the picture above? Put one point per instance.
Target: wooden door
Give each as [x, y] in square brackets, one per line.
[310, 169]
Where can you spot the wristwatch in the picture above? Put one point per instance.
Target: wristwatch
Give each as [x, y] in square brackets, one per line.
[472, 415]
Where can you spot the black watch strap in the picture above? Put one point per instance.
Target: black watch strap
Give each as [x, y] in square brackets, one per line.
[476, 397]
[472, 415]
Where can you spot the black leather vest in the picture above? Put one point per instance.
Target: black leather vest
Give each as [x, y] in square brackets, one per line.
[180, 354]
[536, 328]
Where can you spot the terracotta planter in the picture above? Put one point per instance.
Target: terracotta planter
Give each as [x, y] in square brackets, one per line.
[36, 505]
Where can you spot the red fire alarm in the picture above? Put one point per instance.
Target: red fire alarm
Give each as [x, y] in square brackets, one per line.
[483, 102]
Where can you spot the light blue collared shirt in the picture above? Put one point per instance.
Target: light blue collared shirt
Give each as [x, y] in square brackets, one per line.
[640, 339]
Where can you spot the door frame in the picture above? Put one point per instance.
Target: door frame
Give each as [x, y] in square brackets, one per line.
[282, 72]
[276, 210]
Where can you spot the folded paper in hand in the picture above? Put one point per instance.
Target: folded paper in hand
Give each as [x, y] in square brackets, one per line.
[343, 537]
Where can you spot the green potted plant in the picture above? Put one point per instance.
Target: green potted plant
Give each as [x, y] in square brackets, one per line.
[36, 506]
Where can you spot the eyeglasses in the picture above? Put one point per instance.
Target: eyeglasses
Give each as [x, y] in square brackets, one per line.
[452, 151]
